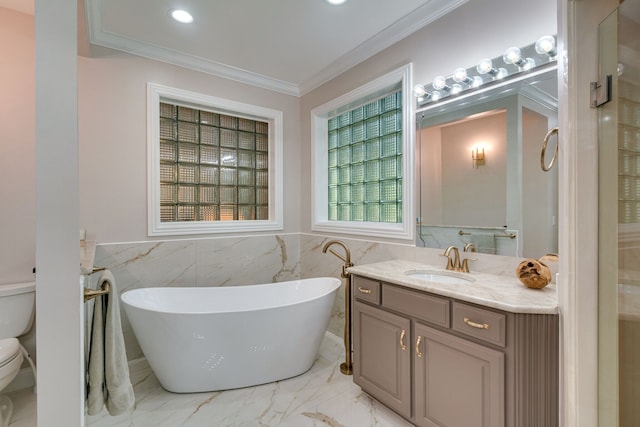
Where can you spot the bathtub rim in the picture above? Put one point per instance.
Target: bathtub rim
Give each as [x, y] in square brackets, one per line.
[138, 304]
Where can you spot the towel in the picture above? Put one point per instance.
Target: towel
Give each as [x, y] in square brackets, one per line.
[484, 242]
[108, 371]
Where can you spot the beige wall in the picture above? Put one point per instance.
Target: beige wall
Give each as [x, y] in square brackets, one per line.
[17, 153]
[539, 192]
[17, 147]
[462, 194]
[480, 28]
[430, 170]
[112, 129]
[475, 196]
[112, 118]
[113, 145]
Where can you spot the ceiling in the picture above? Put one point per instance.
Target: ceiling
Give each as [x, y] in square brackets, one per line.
[290, 46]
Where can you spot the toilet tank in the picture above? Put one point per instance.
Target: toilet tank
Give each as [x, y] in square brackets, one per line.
[17, 302]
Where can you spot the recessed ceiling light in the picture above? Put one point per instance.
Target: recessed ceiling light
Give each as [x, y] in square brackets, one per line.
[181, 16]
[336, 2]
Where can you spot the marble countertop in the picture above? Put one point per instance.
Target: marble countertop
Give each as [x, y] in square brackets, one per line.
[87, 256]
[501, 292]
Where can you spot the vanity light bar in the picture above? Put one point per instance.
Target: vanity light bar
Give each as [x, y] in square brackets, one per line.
[515, 62]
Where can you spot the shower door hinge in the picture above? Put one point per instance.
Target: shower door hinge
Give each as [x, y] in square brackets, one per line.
[601, 91]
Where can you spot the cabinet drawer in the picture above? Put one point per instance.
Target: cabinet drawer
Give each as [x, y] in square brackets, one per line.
[480, 323]
[366, 290]
[417, 304]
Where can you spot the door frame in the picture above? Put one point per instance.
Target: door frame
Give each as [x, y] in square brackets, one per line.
[578, 285]
[59, 305]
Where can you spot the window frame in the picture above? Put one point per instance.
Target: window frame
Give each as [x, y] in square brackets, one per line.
[157, 93]
[400, 78]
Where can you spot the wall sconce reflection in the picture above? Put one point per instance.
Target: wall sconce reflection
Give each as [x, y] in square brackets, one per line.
[477, 156]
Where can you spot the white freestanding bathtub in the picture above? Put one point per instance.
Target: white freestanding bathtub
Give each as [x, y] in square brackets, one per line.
[220, 338]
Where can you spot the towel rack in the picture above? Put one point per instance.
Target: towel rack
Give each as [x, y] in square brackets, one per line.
[510, 235]
[90, 294]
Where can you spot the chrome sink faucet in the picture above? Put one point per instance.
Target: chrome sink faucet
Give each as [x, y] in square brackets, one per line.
[454, 264]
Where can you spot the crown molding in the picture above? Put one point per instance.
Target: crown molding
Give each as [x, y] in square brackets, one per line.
[402, 28]
[98, 36]
[421, 17]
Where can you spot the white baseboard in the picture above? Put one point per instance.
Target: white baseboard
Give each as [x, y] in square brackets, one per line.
[23, 380]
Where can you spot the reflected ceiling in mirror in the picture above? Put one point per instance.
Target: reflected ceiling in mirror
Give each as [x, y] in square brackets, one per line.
[515, 63]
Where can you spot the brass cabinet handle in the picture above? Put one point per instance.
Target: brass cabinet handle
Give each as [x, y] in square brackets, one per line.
[364, 290]
[418, 341]
[476, 325]
[547, 168]
[402, 344]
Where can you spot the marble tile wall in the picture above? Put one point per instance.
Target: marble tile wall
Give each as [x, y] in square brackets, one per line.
[255, 260]
[198, 262]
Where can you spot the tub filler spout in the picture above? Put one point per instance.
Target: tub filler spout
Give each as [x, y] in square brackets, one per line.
[347, 367]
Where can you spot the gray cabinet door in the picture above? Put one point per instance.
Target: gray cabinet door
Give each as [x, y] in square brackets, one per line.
[457, 382]
[382, 356]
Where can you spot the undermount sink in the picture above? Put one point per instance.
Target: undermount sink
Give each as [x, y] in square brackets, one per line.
[439, 277]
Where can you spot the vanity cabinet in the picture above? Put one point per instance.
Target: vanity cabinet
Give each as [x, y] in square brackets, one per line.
[439, 361]
[457, 382]
[385, 370]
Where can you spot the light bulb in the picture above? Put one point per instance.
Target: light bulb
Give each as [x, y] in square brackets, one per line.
[419, 90]
[181, 16]
[485, 66]
[477, 81]
[546, 45]
[439, 83]
[529, 64]
[513, 56]
[460, 75]
[435, 95]
[456, 88]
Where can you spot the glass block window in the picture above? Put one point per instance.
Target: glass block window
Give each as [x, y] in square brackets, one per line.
[629, 153]
[365, 162]
[213, 167]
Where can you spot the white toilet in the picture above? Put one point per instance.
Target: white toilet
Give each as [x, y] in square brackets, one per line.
[17, 303]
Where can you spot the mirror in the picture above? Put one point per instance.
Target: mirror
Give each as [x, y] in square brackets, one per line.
[480, 172]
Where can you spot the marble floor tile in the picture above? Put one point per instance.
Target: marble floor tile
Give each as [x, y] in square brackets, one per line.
[24, 408]
[320, 397]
